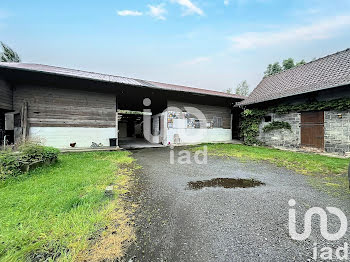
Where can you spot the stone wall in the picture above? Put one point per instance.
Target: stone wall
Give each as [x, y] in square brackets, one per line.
[282, 137]
[337, 132]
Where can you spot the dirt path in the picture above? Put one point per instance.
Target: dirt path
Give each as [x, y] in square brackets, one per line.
[176, 223]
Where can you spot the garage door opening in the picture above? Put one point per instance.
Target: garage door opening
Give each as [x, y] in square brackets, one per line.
[132, 128]
[140, 118]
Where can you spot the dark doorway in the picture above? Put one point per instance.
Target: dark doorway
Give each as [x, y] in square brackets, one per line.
[236, 115]
[2, 126]
[312, 129]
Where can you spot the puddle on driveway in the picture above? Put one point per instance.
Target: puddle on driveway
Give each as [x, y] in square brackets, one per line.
[225, 183]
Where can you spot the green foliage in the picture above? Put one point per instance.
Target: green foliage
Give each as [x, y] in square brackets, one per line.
[32, 151]
[336, 104]
[288, 64]
[8, 55]
[29, 152]
[251, 118]
[229, 90]
[242, 89]
[9, 164]
[302, 62]
[250, 125]
[275, 68]
[275, 125]
[51, 214]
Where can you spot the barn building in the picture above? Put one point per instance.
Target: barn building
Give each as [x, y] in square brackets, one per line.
[312, 99]
[71, 108]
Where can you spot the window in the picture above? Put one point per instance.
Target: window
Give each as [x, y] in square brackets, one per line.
[267, 118]
[17, 120]
[217, 122]
[197, 123]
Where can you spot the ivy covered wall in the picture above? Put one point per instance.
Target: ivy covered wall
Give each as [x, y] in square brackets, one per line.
[283, 136]
[284, 124]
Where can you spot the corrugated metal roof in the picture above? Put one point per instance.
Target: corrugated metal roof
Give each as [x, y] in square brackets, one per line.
[113, 79]
[324, 73]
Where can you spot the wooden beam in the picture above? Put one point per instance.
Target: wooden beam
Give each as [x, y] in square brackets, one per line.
[24, 120]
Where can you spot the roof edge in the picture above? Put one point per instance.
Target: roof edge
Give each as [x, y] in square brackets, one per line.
[242, 103]
[107, 78]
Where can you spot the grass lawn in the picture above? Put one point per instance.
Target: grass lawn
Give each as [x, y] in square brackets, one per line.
[329, 171]
[54, 212]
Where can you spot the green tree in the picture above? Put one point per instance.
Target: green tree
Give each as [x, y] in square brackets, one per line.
[302, 62]
[242, 89]
[273, 69]
[288, 64]
[229, 90]
[8, 55]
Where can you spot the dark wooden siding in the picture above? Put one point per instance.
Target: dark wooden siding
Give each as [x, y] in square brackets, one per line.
[209, 111]
[59, 107]
[5, 95]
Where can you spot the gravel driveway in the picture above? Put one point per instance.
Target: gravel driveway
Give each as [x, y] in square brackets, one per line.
[176, 223]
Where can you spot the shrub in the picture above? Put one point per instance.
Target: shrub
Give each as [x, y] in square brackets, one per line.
[50, 152]
[32, 151]
[10, 164]
[28, 152]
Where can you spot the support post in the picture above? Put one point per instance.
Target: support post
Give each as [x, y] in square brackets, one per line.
[24, 120]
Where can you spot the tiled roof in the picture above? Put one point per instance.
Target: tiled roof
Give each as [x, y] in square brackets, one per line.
[327, 72]
[113, 79]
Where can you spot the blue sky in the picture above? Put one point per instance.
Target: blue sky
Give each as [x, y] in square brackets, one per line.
[200, 43]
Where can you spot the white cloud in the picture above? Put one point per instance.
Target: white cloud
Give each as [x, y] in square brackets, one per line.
[226, 2]
[129, 13]
[197, 60]
[189, 7]
[321, 30]
[157, 11]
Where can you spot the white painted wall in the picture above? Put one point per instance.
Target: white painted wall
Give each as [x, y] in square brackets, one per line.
[61, 137]
[196, 135]
[156, 138]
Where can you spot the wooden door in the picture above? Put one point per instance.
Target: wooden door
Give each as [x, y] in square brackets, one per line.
[312, 129]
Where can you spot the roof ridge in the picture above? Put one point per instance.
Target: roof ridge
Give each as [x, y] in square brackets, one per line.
[307, 63]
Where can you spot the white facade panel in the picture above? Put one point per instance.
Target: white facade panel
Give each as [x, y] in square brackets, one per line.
[62, 137]
[197, 135]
